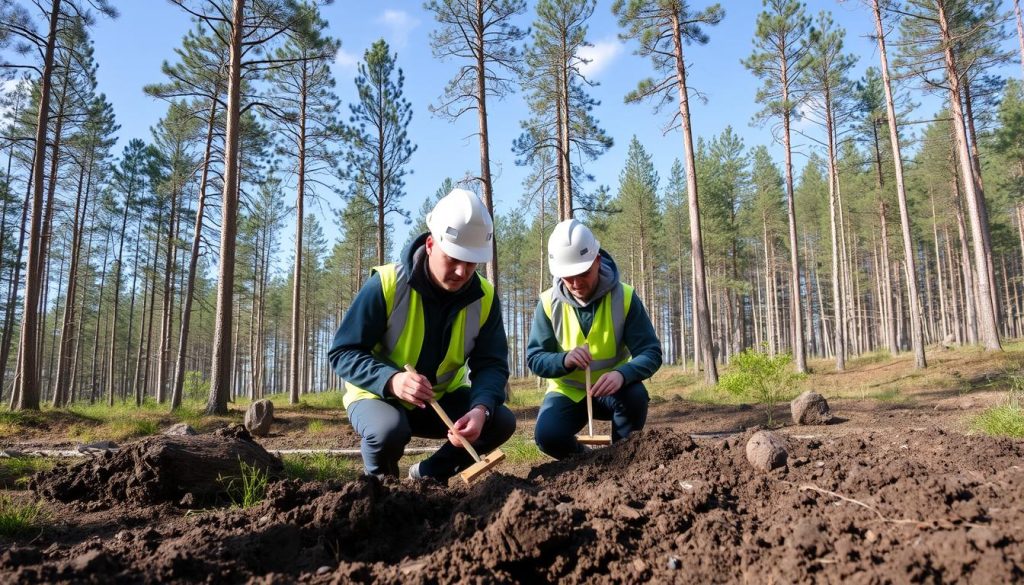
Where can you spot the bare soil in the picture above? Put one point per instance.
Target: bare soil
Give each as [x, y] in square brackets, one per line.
[897, 504]
[896, 490]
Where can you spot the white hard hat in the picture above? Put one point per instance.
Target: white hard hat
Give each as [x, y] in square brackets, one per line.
[572, 248]
[462, 226]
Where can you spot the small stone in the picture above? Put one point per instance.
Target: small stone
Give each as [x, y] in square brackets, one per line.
[627, 513]
[766, 451]
[810, 408]
[187, 501]
[819, 464]
[639, 565]
[870, 537]
[323, 570]
[674, 564]
[123, 535]
[259, 417]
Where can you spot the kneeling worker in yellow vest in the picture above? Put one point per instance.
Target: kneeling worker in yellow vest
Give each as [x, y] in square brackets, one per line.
[434, 312]
[589, 318]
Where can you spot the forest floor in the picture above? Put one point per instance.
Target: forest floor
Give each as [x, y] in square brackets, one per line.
[900, 487]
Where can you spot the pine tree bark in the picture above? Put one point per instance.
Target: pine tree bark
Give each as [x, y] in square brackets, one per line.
[220, 382]
[987, 328]
[702, 315]
[28, 363]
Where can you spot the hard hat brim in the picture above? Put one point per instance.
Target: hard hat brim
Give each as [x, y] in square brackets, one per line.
[465, 254]
[567, 270]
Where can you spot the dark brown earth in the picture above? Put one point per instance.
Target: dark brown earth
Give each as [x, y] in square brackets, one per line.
[860, 507]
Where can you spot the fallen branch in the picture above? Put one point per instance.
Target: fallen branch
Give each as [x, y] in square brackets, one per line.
[920, 524]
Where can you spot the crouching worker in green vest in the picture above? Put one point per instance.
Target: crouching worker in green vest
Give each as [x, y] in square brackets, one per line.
[434, 312]
[589, 318]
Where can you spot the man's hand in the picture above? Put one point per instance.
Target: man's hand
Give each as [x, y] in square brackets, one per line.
[607, 384]
[469, 426]
[577, 358]
[410, 387]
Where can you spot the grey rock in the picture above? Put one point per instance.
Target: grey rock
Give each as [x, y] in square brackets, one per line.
[810, 408]
[180, 429]
[259, 417]
[766, 451]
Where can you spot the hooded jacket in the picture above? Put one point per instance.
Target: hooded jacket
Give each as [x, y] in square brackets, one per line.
[546, 358]
[365, 322]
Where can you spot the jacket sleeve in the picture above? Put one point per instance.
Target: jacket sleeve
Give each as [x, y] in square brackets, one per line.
[361, 329]
[488, 362]
[543, 354]
[642, 342]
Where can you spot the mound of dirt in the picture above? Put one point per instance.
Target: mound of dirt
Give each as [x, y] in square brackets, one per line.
[158, 469]
[657, 507]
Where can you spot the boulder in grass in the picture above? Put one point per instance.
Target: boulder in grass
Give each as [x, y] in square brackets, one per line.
[181, 429]
[810, 408]
[766, 451]
[259, 417]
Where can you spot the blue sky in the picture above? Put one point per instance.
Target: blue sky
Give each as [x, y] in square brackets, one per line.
[130, 49]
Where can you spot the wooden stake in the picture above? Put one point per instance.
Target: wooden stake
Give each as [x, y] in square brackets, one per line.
[590, 438]
[482, 464]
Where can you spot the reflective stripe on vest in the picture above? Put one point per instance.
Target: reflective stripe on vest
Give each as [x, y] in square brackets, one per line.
[403, 338]
[605, 337]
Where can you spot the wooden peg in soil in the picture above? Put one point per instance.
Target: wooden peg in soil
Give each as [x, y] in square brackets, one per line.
[483, 464]
[590, 438]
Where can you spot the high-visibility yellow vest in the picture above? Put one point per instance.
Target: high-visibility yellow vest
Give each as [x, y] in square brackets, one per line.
[403, 339]
[604, 338]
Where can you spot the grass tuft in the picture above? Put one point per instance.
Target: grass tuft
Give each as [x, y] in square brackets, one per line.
[249, 489]
[19, 519]
[316, 427]
[320, 467]
[16, 471]
[520, 449]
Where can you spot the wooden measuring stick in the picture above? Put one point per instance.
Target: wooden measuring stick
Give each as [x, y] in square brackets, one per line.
[590, 406]
[447, 421]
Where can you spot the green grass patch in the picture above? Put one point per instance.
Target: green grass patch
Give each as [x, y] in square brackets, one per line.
[19, 519]
[332, 400]
[130, 429]
[524, 396]
[316, 427]
[520, 449]
[21, 418]
[1001, 421]
[249, 489]
[16, 471]
[321, 467]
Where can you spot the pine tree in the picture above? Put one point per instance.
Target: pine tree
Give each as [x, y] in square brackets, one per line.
[661, 27]
[377, 145]
[778, 59]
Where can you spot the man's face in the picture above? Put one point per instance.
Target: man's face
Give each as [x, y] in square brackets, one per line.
[447, 272]
[582, 286]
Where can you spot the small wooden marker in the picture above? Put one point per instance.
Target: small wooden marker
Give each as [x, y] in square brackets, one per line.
[483, 464]
[590, 438]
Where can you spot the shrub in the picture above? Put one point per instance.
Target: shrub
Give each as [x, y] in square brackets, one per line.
[760, 377]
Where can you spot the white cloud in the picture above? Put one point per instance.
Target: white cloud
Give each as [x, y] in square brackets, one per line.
[600, 55]
[400, 24]
[346, 60]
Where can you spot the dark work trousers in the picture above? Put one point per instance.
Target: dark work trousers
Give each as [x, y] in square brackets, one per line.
[386, 426]
[560, 419]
